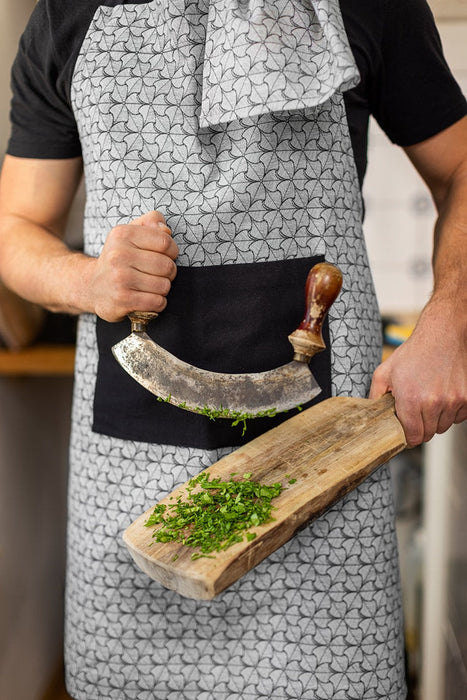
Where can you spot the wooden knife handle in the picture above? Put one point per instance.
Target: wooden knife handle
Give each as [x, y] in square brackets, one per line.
[140, 319]
[323, 284]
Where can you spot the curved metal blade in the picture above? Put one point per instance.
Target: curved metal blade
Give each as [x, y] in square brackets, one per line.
[195, 389]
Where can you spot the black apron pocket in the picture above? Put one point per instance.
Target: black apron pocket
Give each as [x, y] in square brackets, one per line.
[223, 318]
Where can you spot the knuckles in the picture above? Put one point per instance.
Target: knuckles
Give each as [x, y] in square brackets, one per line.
[164, 285]
[152, 218]
[136, 235]
[136, 268]
[116, 258]
[120, 276]
[120, 233]
[168, 269]
[438, 412]
[165, 244]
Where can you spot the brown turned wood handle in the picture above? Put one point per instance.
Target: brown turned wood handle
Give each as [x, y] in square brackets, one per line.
[140, 319]
[323, 284]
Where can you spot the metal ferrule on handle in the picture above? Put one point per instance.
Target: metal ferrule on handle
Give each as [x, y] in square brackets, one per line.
[140, 319]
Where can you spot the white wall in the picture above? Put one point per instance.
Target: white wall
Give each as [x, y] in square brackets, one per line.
[449, 9]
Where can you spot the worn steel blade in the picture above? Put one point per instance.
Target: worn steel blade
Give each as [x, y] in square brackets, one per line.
[199, 390]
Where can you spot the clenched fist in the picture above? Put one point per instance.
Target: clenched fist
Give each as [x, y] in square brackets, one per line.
[135, 269]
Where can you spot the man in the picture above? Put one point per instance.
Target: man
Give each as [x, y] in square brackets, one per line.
[225, 142]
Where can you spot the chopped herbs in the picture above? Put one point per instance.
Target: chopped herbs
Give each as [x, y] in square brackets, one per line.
[237, 417]
[215, 514]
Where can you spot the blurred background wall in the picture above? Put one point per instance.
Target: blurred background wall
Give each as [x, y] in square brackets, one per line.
[430, 483]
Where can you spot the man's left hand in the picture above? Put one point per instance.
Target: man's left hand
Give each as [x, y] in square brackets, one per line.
[427, 375]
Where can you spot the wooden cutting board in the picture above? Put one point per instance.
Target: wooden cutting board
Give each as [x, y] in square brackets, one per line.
[329, 449]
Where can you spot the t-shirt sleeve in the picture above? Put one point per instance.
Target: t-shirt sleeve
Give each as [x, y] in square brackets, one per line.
[414, 94]
[42, 121]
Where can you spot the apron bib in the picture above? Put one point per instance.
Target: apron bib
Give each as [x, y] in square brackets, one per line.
[232, 123]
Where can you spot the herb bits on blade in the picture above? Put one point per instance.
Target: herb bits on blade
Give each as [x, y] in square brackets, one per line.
[212, 515]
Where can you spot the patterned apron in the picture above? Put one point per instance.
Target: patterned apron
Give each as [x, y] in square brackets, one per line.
[227, 116]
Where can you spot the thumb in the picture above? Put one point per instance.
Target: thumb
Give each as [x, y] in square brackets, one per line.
[380, 383]
[151, 218]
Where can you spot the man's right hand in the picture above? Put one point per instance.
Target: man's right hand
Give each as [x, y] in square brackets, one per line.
[133, 272]
[135, 269]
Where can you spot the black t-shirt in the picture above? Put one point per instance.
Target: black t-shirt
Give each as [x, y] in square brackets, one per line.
[405, 82]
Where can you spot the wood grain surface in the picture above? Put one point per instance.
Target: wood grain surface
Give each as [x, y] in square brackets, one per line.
[329, 449]
[38, 360]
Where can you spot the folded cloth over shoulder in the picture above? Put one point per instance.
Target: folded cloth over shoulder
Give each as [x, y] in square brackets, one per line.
[272, 55]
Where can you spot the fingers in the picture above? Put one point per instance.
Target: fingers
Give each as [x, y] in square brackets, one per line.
[153, 265]
[461, 415]
[154, 237]
[130, 279]
[423, 416]
[151, 230]
[380, 383]
[423, 408]
[407, 411]
[135, 301]
[126, 256]
[455, 411]
[136, 268]
[151, 218]
[412, 421]
[429, 414]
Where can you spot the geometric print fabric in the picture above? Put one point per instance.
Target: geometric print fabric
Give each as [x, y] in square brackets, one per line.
[267, 55]
[319, 619]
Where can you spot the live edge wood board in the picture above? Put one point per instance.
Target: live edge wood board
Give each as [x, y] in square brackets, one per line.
[329, 449]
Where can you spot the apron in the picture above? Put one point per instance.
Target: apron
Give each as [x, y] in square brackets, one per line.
[227, 116]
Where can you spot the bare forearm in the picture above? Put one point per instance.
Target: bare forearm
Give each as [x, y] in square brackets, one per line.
[450, 244]
[35, 200]
[446, 312]
[38, 266]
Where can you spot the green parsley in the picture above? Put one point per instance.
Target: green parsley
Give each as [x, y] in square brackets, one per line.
[214, 514]
[237, 417]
